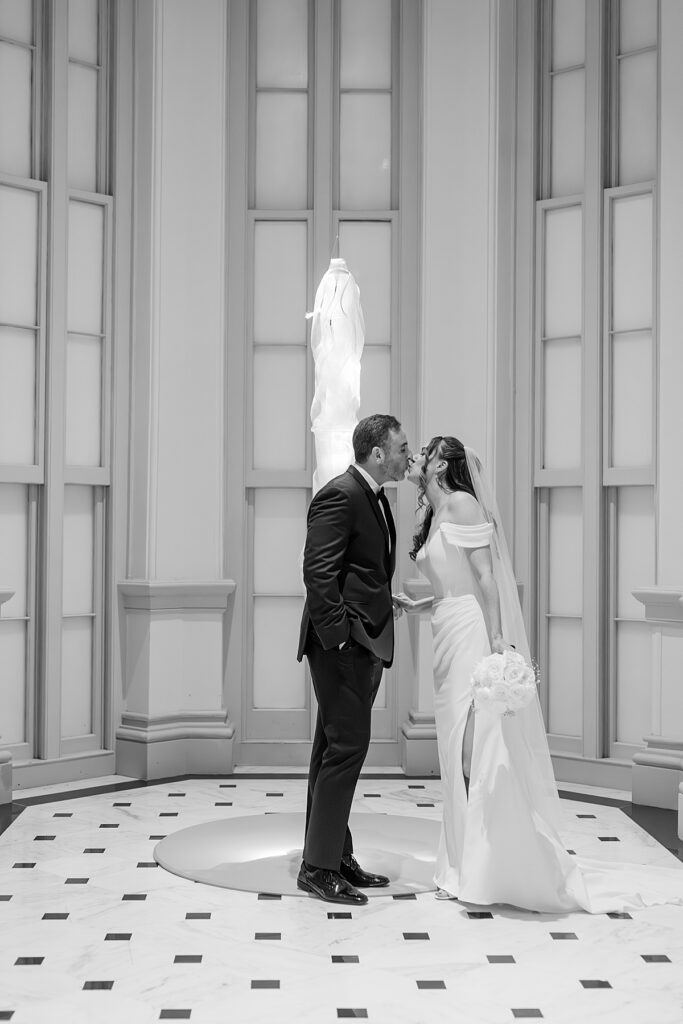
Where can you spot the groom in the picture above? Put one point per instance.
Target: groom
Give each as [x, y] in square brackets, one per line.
[347, 634]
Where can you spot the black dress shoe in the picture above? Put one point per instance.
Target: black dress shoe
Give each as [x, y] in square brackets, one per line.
[329, 885]
[351, 870]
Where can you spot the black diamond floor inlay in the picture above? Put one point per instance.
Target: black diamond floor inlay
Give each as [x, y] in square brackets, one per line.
[98, 986]
[265, 983]
[346, 958]
[118, 936]
[609, 839]
[500, 959]
[521, 1013]
[563, 935]
[347, 1011]
[275, 936]
[595, 983]
[76, 881]
[431, 984]
[339, 915]
[29, 961]
[655, 958]
[55, 917]
[187, 958]
[269, 896]
[479, 915]
[94, 849]
[134, 896]
[203, 915]
[409, 936]
[175, 1015]
[404, 896]
[619, 915]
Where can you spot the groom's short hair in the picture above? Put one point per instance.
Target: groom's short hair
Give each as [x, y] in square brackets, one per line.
[372, 432]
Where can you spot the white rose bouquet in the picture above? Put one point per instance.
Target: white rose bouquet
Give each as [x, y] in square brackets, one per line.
[503, 683]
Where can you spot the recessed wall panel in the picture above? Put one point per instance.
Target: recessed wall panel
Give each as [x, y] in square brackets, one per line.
[375, 380]
[83, 30]
[365, 151]
[563, 271]
[83, 87]
[85, 267]
[280, 408]
[16, 20]
[281, 151]
[17, 396]
[632, 393]
[637, 24]
[78, 557]
[635, 554]
[279, 535]
[280, 274]
[77, 660]
[365, 49]
[13, 661]
[18, 256]
[632, 266]
[565, 551]
[16, 68]
[282, 44]
[568, 33]
[562, 404]
[14, 548]
[83, 400]
[638, 118]
[565, 677]
[366, 247]
[633, 685]
[279, 679]
[567, 133]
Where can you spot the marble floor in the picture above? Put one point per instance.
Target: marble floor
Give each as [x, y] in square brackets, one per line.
[91, 929]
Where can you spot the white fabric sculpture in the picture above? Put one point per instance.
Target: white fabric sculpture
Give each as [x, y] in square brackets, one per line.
[337, 338]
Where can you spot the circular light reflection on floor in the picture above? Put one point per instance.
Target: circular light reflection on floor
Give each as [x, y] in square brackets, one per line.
[262, 852]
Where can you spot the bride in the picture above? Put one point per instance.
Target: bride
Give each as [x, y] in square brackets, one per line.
[500, 840]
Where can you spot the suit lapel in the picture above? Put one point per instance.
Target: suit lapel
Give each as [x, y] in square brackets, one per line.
[387, 525]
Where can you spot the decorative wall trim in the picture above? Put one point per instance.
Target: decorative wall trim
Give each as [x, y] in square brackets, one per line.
[176, 595]
[50, 772]
[139, 728]
[662, 604]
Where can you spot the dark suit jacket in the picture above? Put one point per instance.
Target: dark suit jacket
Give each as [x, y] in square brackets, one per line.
[348, 568]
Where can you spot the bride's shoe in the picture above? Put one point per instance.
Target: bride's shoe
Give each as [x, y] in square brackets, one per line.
[441, 894]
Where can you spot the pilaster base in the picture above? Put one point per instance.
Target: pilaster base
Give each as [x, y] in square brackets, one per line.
[419, 752]
[170, 745]
[658, 772]
[5, 777]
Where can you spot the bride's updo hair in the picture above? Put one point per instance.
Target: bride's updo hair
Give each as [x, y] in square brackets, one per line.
[454, 477]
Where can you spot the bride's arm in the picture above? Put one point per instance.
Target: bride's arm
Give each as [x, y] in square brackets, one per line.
[480, 560]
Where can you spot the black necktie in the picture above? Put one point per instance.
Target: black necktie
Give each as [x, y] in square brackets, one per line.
[386, 511]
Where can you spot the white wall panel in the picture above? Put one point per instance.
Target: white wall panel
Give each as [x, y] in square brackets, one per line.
[565, 551]
[279, 535]
[280, 409]
[637, 118]
[18, 255]
[635, 547]
[83, 401]
[568, 128]
[278, 678]
[282, 44]
[281, 151]
[632, 393]
[13, 660]
[79, 537]
[85, 267]
[83, 30]
[77, 653]
[569, 33]
[561, 398]
[366, 247]
[280, 275]
[16, 20]
[634, 671]
[365, 47]
[632, 266]
[14, 547]
[83, 89]
[563, 269]
[17, 396]
[375, 380]
[16, 66]
[637, 24]
[565, 677]
[365, 151]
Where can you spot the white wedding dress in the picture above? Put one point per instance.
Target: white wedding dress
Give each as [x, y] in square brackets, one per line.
[501, 844]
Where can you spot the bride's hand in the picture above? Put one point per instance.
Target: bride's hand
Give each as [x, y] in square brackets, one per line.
[500, 646]
[402, 601]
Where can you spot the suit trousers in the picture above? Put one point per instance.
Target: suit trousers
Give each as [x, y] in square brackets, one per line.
[345, 684]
